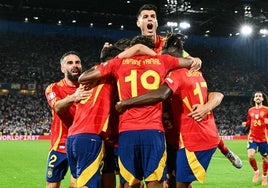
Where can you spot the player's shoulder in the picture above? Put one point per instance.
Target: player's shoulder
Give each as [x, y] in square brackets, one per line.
[111, 62]
[182, 72]
[50, 87]
[251, 108]
[54, 85]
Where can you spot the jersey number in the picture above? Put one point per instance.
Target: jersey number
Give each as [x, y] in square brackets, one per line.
[53, 159]
[257, 122]
[133, 79]
[197, 91]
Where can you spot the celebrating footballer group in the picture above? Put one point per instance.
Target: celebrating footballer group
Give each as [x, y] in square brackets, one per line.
[163, 133]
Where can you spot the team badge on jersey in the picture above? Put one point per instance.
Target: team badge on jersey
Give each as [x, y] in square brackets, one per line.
[51, 95]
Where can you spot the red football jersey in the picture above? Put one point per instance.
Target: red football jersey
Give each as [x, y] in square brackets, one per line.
[136, 76]
[255, 119]
[92, 114]
[189, 89]
[60, 122]
[159, 44]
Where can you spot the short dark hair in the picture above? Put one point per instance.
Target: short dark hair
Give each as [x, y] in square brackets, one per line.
[147, 7]
[122, 44]
[69, 53]
[108, 53]
[142, 39]
[174, 44]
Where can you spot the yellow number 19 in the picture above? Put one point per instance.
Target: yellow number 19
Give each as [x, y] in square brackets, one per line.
[133, 79]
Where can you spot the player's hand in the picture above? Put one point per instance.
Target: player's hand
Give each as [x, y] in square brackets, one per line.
[196, 65]
[82, 93]
[107, 44]
[199, 112]
[119, 107]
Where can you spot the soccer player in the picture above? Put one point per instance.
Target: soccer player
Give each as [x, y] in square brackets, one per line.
[110, 136]
[85, 144]
[61, 97]
[141, 147]
[257, 138]
[189, 108]
[147, 22]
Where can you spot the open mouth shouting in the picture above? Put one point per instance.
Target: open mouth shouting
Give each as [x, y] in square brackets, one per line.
[75, 71]
[150, 28]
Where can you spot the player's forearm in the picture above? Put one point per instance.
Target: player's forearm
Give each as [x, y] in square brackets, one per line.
[214, 99]
[89, 76]
[185, 62]
[137, 49]
[160, 94]
[63, 104]
[190, 63]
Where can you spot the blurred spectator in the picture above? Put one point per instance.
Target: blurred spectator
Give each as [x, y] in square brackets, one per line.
[24, 115]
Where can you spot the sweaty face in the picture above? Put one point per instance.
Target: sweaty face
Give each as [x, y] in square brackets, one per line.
[147, 22]
[71, 67]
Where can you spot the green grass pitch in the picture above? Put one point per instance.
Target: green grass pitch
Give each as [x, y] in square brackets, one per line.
[22, 164]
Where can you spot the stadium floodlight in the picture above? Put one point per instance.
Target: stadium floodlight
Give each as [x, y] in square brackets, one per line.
[246, 30]
[264, 31]
[185, 25]
[172, 25]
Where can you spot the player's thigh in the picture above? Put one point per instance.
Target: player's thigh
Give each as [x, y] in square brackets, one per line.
[57, 166]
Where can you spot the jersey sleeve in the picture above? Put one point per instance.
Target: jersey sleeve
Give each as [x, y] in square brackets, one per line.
[172, 81]
[170, 62]
[109, 67]
[52, 95]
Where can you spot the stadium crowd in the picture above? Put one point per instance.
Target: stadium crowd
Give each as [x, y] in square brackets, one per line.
[35, 59]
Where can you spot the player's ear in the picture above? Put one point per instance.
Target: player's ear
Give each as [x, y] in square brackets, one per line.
[62, 69]
[138, 23]
[156, 23]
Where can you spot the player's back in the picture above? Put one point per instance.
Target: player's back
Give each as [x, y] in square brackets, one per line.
[92, 113]
[136, 76]
[191, 89]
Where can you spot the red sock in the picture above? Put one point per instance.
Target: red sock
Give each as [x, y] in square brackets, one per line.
[222, 147]
[253, 164]
[264, 168]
